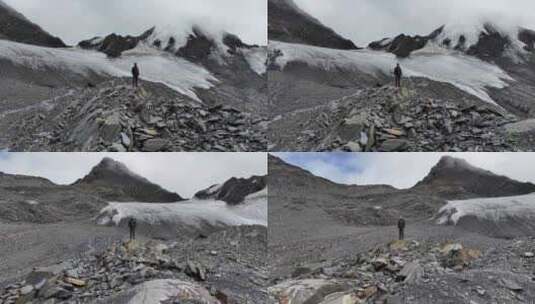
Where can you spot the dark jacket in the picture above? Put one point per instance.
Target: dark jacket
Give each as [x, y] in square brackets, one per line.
[401, 224]
[135, 71]
[398, 72]
[132, 223]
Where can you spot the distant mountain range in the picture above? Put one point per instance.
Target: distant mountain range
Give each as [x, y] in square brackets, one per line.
[36, 199]
[304, 198]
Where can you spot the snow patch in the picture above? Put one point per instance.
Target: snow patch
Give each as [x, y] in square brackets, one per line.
[467, 73]
[492, 209]
[32, 202]
[191, 213]
[156, 66]
[257, 59]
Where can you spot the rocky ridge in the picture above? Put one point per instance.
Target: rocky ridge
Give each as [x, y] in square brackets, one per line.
[208, 271]
[114, 117]
[386, 119]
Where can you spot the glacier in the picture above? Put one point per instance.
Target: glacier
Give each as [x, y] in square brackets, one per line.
[467, 73]
[156, 66]
[496, 210]
[192, 213]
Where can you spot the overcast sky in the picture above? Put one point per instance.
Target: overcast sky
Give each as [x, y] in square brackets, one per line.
[364, 21]
[76, 20]
[404, 170]
[184, 173]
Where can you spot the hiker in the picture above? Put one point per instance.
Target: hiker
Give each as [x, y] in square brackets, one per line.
[132, 227]
[398, 73]
[401, 227]
[135, 75]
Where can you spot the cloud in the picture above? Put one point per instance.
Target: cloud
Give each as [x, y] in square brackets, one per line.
[364, 21]
[185, 173]
[404, 170]
[76, 20]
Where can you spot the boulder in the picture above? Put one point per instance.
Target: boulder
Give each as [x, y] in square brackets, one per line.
[305, 291]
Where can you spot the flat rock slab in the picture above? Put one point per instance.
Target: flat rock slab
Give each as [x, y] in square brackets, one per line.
[521, 126]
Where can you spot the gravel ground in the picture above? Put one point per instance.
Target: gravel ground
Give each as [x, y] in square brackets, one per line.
[25, 246]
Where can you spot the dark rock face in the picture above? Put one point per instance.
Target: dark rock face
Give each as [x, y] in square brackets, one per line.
[15, 27]
[288, 23]
[528, 37]
[454, 178]
[491, 44]
[198, 47]
[114, 45]
[234, 190]
[234, 42]
[112, 180]
[403, 45]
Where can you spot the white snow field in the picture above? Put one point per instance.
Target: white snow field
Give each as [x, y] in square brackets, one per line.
[496, 210]
[465, 72]
[257, 59]
[253, 211]
[157, 66]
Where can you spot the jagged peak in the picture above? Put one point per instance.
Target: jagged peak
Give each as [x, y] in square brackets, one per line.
[109, 163]
[108, 166]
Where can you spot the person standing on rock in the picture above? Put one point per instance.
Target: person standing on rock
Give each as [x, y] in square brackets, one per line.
[398, 73]
[135, 75]
[401, 228]
[132, 226]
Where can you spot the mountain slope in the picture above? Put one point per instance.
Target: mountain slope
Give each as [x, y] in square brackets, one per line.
[38, 200]
[288, 23]
[455, 178]
[296, 195]
[113, 181]
[15, 27]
